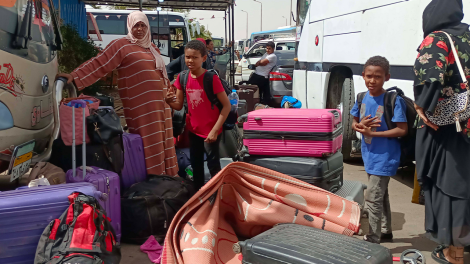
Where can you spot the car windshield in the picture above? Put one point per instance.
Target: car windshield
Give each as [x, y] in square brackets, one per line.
[285, 58]
[12, 16]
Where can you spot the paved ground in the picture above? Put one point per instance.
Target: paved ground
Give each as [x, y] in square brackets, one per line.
[407, 218]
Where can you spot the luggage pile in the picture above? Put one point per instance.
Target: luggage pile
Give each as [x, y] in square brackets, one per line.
[302, 143]
[95, 169]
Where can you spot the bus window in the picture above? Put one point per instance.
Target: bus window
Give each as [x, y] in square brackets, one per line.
[178, 40]
[110, 24]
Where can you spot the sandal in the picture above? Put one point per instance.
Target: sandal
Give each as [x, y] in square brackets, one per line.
[438, 255]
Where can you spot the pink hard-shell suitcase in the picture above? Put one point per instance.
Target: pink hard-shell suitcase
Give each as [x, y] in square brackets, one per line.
[293, 132]
[105, 181]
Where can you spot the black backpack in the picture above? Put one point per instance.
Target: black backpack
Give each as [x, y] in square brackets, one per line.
[209, 90]
[407, 142]
[148, 208]
[64, 240]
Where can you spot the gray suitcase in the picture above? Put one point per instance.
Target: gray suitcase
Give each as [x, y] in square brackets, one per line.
[242, 108]
[326, 173]
[353, 191]
[297, 244]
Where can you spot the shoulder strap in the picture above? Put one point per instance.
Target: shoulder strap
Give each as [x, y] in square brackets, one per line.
[359, 99]
[457, 59]
[184, 79]
[390, 98]
[209, 87]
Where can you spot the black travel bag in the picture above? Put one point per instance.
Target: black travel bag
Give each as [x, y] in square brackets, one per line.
[296, 244]
[61, 155]
[148, 208]
[326, 173]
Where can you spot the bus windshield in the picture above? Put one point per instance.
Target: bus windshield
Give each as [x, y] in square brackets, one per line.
[41, 34]
[168, 30]
[302, 10]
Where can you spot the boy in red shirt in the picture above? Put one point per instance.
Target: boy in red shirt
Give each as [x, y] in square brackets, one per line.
[204, 121]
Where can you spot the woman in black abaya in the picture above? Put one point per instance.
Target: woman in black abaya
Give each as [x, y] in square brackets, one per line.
[442, 153]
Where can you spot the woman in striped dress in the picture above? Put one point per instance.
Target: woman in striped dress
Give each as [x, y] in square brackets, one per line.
[142, 86]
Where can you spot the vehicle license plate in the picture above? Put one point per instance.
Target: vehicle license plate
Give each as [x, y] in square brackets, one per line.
[21, 160]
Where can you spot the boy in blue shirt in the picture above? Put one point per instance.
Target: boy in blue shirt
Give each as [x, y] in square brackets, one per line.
[380, 147]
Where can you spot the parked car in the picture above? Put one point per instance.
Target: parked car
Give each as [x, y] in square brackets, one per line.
[280, 78]
[258, 50]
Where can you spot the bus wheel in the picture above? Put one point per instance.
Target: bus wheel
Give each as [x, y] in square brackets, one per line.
[341, 96]
[347, 102]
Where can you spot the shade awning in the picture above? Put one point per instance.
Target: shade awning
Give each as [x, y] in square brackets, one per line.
[214, 5]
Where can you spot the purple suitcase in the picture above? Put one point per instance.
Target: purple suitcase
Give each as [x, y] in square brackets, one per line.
[106, 182]
[134, 161]
[25, 213]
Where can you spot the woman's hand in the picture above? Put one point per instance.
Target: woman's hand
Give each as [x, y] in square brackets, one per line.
[68, 76]
[423, 116]
[212, 137]
[370, 122]
[170, 95]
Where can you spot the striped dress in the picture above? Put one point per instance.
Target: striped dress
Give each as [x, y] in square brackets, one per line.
[142, 90]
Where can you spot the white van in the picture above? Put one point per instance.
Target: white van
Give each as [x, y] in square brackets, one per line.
[169, 29]
[337, 38]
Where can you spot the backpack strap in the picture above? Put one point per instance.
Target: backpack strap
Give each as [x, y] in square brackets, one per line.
[359, 99]
[390, 98]
[184, 75]
[209, 88]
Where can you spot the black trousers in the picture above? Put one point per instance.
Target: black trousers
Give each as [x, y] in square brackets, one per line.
[263, 85]
[197, 149]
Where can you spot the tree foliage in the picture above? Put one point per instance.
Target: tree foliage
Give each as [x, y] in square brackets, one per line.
[75, 51]
[204, 33]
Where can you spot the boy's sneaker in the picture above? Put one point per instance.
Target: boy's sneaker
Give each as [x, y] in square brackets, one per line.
[368, 239]
[386, 237]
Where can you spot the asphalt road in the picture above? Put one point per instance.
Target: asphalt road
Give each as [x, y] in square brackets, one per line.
[407, 218]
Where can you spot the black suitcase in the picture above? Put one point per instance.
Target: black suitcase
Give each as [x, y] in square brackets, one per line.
[296, 244]
[61, 155]
[326, 173]
[242, 110]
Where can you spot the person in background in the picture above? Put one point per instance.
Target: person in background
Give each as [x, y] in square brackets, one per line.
[442, 153]
[261, 75]
[178, 65]
[143, 84]
[211, 54]
[204, 121]
[381, 149]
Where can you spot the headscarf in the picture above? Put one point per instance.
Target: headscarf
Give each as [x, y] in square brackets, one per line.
[146, 42]
[444, 15]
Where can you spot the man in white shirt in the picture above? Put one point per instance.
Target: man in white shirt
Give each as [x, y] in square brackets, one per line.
[261, 75]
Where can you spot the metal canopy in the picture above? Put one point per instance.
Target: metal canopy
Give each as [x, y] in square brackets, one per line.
[214, 5]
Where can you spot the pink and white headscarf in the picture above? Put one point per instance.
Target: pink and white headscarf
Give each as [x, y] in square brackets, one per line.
[146, 42]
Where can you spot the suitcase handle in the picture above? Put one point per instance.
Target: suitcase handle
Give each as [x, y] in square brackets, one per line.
[335, 113]
[257, 118]
[80, 103]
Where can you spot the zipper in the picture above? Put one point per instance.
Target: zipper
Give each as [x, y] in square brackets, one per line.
[166, 212]
[107, 185]
[150, 217]
[284, 135]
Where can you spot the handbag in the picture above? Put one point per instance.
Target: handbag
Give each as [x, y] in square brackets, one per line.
[66, 122]
[454, 109]
[103, 125]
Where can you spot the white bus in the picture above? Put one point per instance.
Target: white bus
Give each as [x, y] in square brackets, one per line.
[169, 29]
[337, 38]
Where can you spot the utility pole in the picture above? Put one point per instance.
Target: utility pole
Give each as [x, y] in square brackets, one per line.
[290, 14]
[246, 23]
[261, 13]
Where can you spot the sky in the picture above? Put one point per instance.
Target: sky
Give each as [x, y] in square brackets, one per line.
[273, 10]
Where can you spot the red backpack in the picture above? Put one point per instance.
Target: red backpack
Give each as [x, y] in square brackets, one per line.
[83, 235]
